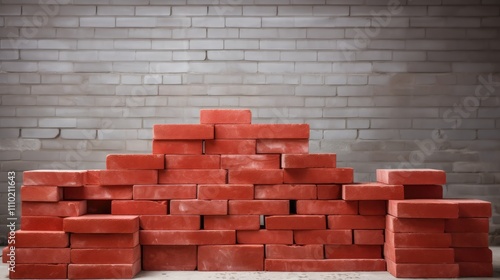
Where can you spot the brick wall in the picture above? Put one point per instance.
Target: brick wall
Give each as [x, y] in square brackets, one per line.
[382, 83]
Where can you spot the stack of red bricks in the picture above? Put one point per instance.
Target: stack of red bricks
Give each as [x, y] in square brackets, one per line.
[228, 195]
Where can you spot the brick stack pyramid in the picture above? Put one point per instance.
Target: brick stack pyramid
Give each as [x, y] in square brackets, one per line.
[228, 195]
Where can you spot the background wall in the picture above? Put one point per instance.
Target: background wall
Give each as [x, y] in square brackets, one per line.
[382, 83]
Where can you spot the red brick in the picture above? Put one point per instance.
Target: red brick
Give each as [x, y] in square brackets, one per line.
[282, 146]
[52, 239]
[98, 206]
[135, 161]
[231, 258]
[465, 239]
[104, 240]
[250, 161]
[372, 207]
[262, 131]
[161, 258]
[192, 161]
[226, 191]
[368, 236]
[259, 207]
[467, 225]
[417, 240]
[323, 237]
[42, 223]
[40, 271]
[106, 256]
[411, 176]
[230, 147]
[423, 208]
[61, 178]
[251, 176]
[419, 255]
[372, 191]
[407, 270]
[318, 175]
[309, 160]
[285, 192]
[138, 207]
[232, 222]
[473, 208]
[42, 193]
[123, 177]
[475, 269]
[225, 116]
[164, 192]
[356, 222]
[61, 208]
[110, 271]
[192, 176]
[353, 252]
[101, 224]
[98, 192]
[423, 191]
[327, 207]
[178, 147]
[6, 251]
[183, 131]
[473, 255]
[414, 225]
[296, 222]
[187, 237]
[198, 207]
[329, 191]
[279, 251]
[264, 236]
[170, 222]
[324, 265]
[42, 255]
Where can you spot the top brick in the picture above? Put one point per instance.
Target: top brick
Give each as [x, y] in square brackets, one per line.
[262, 131]
[225, 116]
[308, 160]
[411, 176]
[183, 131]
[62, 178]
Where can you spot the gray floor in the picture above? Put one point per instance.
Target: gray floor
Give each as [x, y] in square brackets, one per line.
[173, 275]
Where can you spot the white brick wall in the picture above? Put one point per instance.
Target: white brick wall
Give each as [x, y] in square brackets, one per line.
[96, 75]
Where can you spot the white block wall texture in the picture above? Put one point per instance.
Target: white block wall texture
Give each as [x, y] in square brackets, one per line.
[383, 83]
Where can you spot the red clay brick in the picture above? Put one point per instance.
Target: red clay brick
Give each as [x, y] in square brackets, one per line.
[170, 222]
[473, 208]
[296, 222]
[139, 207]
[135, 161]
[329, 191]
[372, 207]
[368, 236]
[110, 271]
[178, 147]
[164, 192]
[467, 225]
[250, 176]
[475, 269]
[417, 240]
[161, 258]
[407, 270]
[98, 206]
[372, 191]
[473, 255]
[183, 131]
[192, 176]
[61, 178]
[231, 258]
[42, 193]
[411, 176]
[423, 191]
[42, 223]
[285, 192]
[327, 207]
[5, 252]
[414, 225]
[98, 192]
[279, 251]
[318, 175]
[230, 147]
[40, 271]
[341, 237]
[106, 256]
[102, 224]
[192, 161]
[52, 239]
[104, 240]
[225, 116]
[309, 160]
[262, 131]
[356, 222]
[259, 207]
[198, 207]
[419, 255]
[226, 191]
[423, 208]
[232, 222]
[325, 265]
[353, 252]
[250, 161]
[42, 255]
[282, 146]
[123, 177]
[264, 236]
[187, 237]
[465, 239]
[61, 208]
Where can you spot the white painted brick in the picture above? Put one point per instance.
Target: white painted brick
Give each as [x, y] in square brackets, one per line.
[277, 45]
[223, 79]
[390, 67]
[39, 55]
[409, 56]
[189, 55]
[137, 67]
[223, 33]
[225, 55]
[105, 79]
[467, 11]
[254, 79]
[266, 101]
[173, 22]
[18, 44]
[445, 33]
[29, 78]
[358, 123]
[8, 112]
[229, 10]
[18, 122]
[153, 55]
[294, 10]
[241, 44]
[243, 22]
[93, 67]
[55, 66]
[311, 80]
[170, 45]
[95, 44]
[325, 33]
[357, 79]
[172, 79]
[132, 44]
[169, 67]
[116, 134]
[97, 21]
[259, 33]
[340, 134]
[387, 44]
[75, 33]
[304, 113]
[39, 133]
[276, 67]
[352, 67]
[336, 56]
[9, 55]
[208, 22]
[148, 33]
[259, 11]
[316, 44]
[153, 79]
[7, 133]
[115, 10]
[72, 10]
[189, 10]
[192, 79]
[10, 10]
[373, 55]
[330, 10]
[378, 134]
[315, 91]
[206, 44]
[137, 90]
[136, 22]
[56, 44]
[262, 55]
[16, 66]
[189, 33]
[51, 79]
[313, 67]
[116, 55]
[390, 123]
[299, 56]
[445, 22]
[152, 11]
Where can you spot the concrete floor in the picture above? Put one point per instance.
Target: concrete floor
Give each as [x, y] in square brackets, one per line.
[175, 275]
